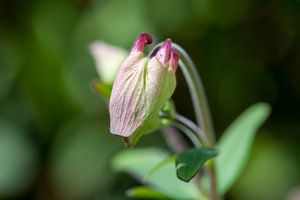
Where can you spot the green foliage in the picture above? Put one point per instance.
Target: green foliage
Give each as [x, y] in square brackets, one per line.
[272, 171]
[145, 193]
[245, 51]
[190, 161]
[139, 162]
[75, 156]
[16, 157]
[102, 89]
[235, 144]
[166, 161]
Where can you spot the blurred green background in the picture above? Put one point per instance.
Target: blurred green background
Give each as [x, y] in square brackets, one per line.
[54, 137]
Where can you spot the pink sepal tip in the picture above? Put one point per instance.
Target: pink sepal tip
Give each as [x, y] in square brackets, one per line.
[164, 51]
[141, 41]
[173, 62]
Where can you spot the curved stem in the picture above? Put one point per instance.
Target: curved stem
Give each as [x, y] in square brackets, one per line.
[196, 90]
[197, 93]
[188, 124]
[200, 106]
[190, 134]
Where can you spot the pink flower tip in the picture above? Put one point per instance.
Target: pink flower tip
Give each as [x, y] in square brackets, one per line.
[173, 62]
[164, 51]
[141, 41]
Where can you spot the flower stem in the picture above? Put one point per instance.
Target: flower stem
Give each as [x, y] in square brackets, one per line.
[196, 135]
[197, 93]
[190, 126]
[201, 108]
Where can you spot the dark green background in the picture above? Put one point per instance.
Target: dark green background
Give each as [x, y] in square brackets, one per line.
[54, 138]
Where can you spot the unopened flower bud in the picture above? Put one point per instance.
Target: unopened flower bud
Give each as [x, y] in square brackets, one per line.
[141, 88]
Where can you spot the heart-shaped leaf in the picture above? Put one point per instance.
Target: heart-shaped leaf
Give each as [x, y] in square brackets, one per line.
[190, 161]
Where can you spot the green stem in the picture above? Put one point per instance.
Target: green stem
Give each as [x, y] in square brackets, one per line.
[197, 136]
[190, 134]
[201, 107]
[196, 89]
[197, 92]
[211, 173]
[191, 127]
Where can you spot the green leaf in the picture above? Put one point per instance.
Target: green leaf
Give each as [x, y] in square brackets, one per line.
[190, 161]
[139, 162]
[102, 89]
[145, 193]
[167, 160]
[235, 144]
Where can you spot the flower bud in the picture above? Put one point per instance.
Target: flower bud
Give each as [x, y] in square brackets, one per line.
[142, 86]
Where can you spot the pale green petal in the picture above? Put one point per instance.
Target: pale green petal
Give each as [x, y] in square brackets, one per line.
[108, 58]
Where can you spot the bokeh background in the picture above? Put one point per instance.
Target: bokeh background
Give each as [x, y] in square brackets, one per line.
[54, 137]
